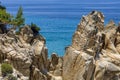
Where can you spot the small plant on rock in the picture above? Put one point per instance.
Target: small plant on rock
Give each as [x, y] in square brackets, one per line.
[35, 28]
[6, 69]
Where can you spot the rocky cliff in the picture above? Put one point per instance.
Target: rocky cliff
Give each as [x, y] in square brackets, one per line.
[93, 55]
[28, 56]
[95, 50]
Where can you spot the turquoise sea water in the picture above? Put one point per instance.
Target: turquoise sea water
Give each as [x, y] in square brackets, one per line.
[58, 19]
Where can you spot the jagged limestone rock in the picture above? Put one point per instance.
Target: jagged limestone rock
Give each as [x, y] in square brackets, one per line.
[24, 52]
[55, 67]
[93, 55]
[95, 50]
[88, 27]
[28, 55]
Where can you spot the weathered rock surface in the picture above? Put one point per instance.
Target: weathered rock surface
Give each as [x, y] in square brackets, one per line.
[26, 53]
[55, 67]
[95, 50]
[93, 55]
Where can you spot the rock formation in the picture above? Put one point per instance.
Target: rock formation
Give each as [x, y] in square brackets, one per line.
[28, 55]
[95, 50]
[93, 55]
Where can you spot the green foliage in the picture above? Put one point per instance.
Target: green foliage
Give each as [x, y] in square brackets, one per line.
[6, 69]
[5, 17]
[20, 12]
[11, 77]
[35, 28]
[19, 20]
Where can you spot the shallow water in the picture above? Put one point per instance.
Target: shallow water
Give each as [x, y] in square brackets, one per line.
[58, 19]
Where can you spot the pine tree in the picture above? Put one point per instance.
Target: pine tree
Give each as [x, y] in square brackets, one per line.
[19, 20]
[5, 17]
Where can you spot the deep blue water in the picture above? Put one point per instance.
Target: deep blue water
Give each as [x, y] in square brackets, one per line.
[58, 19]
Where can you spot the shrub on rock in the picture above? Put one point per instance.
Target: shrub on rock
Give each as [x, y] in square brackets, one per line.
[35, 28]
[6, 69]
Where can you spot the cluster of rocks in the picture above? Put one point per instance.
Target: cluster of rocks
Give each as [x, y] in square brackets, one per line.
[95, 50]
[28, 55]
[93, 55]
